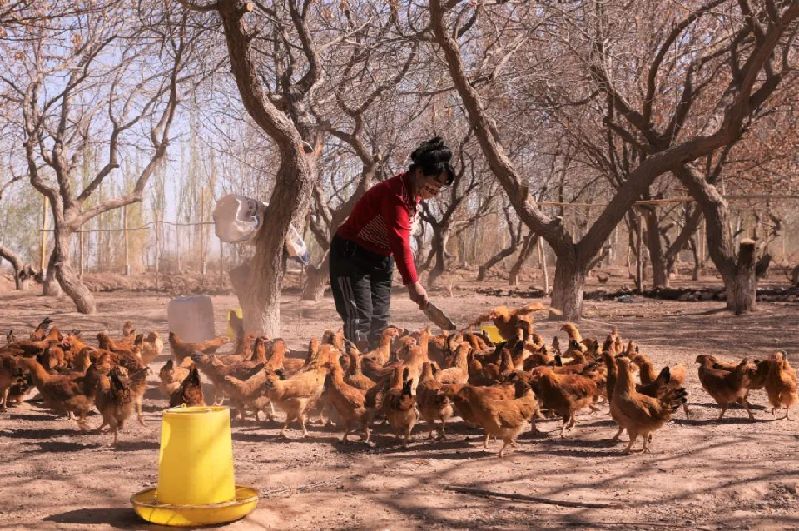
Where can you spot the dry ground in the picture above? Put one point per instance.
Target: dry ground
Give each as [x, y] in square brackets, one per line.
[699, 475]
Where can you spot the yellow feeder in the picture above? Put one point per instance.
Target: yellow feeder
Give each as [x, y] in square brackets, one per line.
[493, 333]
[196, 483]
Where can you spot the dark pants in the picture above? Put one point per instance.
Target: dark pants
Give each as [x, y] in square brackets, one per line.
[361, 284]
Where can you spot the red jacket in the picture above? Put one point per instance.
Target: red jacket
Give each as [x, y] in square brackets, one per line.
[381, 223]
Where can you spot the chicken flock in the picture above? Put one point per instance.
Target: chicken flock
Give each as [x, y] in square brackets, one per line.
[410, 378]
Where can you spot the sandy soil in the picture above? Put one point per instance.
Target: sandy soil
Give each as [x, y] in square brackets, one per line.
[699, 475]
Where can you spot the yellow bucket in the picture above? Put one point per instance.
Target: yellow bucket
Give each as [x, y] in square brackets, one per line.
[231, 334]
[148, 507]
[195, 464]
[493, 333]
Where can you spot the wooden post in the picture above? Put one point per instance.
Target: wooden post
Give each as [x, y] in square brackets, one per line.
[43, 243]
[80, 253]
[542, 260]
[639, 255]
[177, 245]
[203, 250]
[127, 243]
[157, 252]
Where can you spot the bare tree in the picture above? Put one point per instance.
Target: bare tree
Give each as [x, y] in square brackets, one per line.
[665, 148]
[60, 123]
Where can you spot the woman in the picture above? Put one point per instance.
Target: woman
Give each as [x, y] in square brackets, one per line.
[378, 233]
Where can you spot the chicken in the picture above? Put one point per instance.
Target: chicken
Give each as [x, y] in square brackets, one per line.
[564, 394]
[61, 393]
[138, 386]
[726, 387]
[348, 402]
[172, 375]
[355, 376]
[640, 414]
[41, 330]
[611, 375]
[648, 376]
[576, 341]
[9, 374]
[504, 418]
[508, 320]
[781, 383]
[151, 347]
[114, 400]
[372, 362]
[296, 395]
[434, 403]
[399, 404]
[190, 391]
[181, 349]
[215, 369]
[459, 373]
[248, 395]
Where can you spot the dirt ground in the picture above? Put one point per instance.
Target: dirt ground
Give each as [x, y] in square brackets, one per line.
[700, 474]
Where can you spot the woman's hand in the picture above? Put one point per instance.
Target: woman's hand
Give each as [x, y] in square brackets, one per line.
[417, 294]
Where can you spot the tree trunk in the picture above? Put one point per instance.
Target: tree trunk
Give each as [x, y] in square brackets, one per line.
[50, 286]
[657, 254]
[494, 260]
[741, 282]
[16, 266]
[567, 289]
[439, 243]
[527, 249]
[67, 278]
[316, 278]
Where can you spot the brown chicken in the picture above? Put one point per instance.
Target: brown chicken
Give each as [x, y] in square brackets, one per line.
[182, 349]
[504, 418]
[61, 393]
[151, 347]
[648, 376]
[114, 400]
[726, 387]
[172, 375]
[399, 404]
[459, 372]
[355, 376]
[348, 402]
[781, 383]
[190, 391]
[564, 394]
[372, 362]
[434, 403]
[297, 395]
[248, 395]
[508, 320]
[640, 414]
[10, 371]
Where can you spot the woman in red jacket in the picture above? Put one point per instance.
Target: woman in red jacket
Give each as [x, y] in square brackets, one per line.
[375, 235]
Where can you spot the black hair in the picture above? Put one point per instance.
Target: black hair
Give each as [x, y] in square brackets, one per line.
[433, 157]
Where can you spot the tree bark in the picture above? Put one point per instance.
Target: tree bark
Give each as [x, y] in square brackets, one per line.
[741, 281]
[316, 277]
[524, 253]
[439, 244]
[50, 286]
[657, 254]
[16, 265]
[567, 288]
[67, 278]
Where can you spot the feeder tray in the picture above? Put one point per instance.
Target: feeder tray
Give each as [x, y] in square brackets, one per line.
[147, 506]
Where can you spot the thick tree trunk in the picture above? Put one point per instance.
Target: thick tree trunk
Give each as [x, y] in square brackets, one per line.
[50, 286]
[316, 277]
[741, 282]
[16, 266]
[68, 279]
[567, 290]
[657, 254]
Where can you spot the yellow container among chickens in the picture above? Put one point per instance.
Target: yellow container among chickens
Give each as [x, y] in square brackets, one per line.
[493, 333]
[195, 465]
[196, 483]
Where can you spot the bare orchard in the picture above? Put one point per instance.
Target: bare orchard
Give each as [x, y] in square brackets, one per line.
[699, 474]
